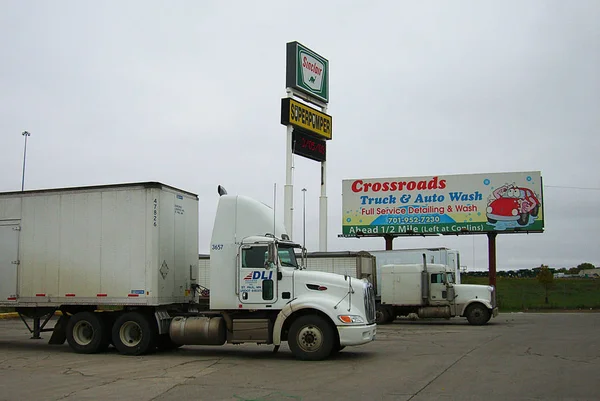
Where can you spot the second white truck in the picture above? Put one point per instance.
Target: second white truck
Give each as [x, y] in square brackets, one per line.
[426, 289]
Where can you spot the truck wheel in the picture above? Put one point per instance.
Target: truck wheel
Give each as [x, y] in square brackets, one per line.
[336, 348]
[478, 315]
[134, 334]
[311, 338]
[382, 315]
[391, 314]
[86, 333]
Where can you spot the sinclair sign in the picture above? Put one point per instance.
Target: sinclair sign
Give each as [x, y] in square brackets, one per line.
[307, 72]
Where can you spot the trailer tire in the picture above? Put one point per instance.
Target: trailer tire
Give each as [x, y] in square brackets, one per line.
[86, 333]
[477, 314]
[311, 338]
[134, 334]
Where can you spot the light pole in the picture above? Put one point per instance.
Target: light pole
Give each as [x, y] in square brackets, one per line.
[304, 217]
[25, 134]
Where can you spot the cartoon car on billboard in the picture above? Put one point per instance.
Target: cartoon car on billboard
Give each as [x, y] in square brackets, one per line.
[513, 203]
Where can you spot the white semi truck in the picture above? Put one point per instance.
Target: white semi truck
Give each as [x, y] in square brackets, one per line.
[120, 262]
[406, 287]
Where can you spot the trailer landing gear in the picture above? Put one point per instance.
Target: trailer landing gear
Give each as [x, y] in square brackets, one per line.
[37, 314]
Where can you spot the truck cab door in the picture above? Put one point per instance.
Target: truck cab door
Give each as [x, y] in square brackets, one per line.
[257, 278]
[437, 288]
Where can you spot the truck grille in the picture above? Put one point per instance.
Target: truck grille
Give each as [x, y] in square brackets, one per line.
[493, 296]
[369, 303]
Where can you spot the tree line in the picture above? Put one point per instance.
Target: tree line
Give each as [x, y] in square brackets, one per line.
[533, 272]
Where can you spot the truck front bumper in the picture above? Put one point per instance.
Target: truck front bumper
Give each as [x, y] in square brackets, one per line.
[356, 335]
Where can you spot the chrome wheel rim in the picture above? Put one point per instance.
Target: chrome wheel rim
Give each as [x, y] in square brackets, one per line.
[310, 338]
[130, 334]
[83, 332]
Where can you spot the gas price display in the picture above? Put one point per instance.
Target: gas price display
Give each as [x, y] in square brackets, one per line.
[308, 146]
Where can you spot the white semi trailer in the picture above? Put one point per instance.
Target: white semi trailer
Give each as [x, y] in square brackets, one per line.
[121, 264]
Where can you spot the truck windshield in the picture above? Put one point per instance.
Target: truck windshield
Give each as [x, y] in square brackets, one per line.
[287, 257]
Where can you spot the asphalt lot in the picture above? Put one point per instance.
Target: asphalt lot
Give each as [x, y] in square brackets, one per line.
[514, 357]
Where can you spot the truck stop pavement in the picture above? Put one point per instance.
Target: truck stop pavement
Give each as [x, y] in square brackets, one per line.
[515, 357]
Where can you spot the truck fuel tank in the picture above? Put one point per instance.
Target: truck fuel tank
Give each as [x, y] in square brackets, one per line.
[434, 311]
[198, 330]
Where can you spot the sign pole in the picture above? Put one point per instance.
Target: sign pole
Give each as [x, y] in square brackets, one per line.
[306, 77]
[288, 192]
[492, 258]
[323, 204]
[323, 209]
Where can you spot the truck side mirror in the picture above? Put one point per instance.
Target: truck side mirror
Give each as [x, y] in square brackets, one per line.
[271, 256]
[304, 257]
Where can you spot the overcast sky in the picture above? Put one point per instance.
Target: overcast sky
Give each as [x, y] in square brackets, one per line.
[188, 93]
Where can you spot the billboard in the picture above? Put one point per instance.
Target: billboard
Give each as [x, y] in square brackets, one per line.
[451, 204]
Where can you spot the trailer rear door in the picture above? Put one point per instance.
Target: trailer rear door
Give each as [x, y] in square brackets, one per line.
[9, 261]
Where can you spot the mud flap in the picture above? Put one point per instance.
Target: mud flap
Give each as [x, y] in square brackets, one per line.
[59, 335]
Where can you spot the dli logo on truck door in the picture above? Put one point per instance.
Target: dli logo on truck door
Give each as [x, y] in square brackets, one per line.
[256, 275]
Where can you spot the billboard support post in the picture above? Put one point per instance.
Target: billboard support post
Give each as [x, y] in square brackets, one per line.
[492, 258]
[389, 242]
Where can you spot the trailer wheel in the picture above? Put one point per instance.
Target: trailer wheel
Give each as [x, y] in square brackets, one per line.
[86, 333]
[311, 338]
[477, 314]
[134, 334]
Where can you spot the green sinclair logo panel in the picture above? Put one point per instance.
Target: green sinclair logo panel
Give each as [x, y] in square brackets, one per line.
[307, 72]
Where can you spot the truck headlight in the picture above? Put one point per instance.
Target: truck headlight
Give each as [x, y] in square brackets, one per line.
[351, 319]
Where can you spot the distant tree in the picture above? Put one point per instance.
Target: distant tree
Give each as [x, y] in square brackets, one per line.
[585, 266]
[546, 278]
[573, 270]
